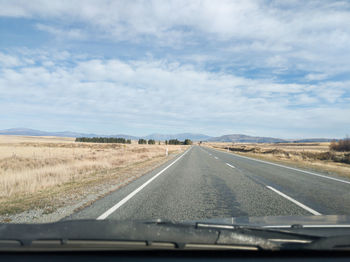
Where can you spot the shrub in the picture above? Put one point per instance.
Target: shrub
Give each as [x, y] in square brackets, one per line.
[174, 142]
[151, 142]
[340, 146]
[142, 141]
[187, 142]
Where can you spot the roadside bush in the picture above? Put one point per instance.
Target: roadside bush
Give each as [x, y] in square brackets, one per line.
[340, 146]
[346, 159]
[187, 142]
[242, 149]
[151, 142]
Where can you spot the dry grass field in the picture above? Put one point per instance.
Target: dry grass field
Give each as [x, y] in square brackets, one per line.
[37, 171]
[311, 155]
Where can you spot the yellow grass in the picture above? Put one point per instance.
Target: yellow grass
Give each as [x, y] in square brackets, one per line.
[9, 139]
[29, 165]
[300, 154]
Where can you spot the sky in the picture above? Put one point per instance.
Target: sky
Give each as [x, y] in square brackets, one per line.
[262, 68]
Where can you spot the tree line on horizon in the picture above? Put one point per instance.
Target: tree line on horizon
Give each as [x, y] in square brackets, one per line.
[119, 140]
[144, 141]
[177, 142]
[167, 142]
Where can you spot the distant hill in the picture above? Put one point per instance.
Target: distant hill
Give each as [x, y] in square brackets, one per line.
[239, 138]
[124, 136]
[181, 137]
[162, 137]
[310, 140]
[24, 132]
[33, 132]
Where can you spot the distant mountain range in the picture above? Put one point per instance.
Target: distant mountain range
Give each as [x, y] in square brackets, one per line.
[181, 137]
[33, 132]
[246, 139]
[236, 138]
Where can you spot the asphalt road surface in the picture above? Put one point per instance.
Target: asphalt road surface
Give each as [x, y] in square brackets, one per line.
[205, 183]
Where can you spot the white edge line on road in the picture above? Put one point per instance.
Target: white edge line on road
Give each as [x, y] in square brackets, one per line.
[295, 202]
[128, 197]
[230, 165]
[309, 226]
[296, 169]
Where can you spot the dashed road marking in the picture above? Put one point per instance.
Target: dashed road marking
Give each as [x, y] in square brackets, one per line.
[314, 212]
[230, 165]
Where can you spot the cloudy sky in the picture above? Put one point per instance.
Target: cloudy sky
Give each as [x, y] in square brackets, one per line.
[268, 68]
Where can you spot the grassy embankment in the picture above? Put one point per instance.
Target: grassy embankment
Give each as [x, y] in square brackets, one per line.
[49, 172]
[316, 156]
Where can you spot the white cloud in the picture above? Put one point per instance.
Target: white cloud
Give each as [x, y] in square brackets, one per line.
[290, 35]
[62, 33]
[9, 61]
[161, 94]
[313, 76]
[208, 49]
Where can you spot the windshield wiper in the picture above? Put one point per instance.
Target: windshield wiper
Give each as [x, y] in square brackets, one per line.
[295, 236]
[330, 243]
[109, 234]
[267, 238]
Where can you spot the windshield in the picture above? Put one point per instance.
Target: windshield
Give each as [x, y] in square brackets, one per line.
[228, 112]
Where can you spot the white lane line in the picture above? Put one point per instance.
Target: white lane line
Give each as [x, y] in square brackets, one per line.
[295, 202]
[128, 197]
[295, 169]
[216, 157]
[310, 226]
[230, 165]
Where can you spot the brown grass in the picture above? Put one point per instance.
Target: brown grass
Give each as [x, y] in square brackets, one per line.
[38, 166]
[311, 155]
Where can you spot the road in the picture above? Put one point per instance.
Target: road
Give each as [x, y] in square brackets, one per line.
[206, 183]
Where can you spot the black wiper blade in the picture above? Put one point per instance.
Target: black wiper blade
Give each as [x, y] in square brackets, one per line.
[253, 228]
[178, 235]
[109, 234]
[265, 237]
[331, 243]
[105, 230]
